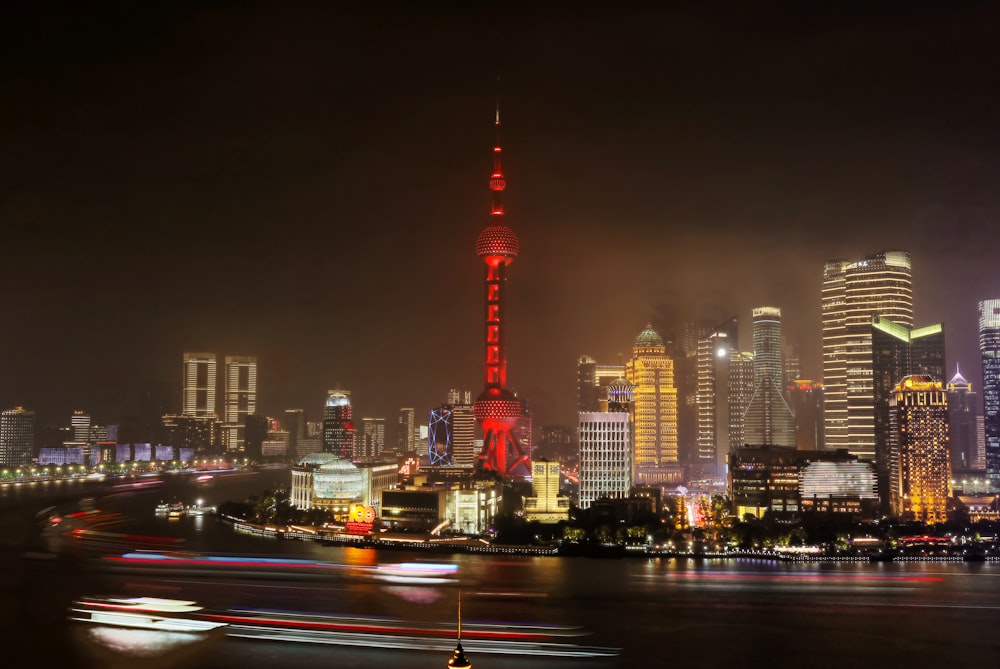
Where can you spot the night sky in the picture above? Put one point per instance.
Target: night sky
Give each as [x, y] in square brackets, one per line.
[305, 183]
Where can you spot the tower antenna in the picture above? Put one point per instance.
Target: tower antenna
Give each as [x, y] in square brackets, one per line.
[458, 659]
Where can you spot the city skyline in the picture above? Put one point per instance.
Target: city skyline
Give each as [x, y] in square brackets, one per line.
[303, 184]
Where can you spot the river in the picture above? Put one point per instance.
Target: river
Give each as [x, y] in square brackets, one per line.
[654, 611]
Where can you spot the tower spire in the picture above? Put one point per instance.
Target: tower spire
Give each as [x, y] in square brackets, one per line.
[458, 659]
[497, 182]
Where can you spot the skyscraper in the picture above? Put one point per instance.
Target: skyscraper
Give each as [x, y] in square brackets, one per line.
[962, 413]
[199, 385]
[372, 438]
[712, 397]
[989, 348]
[854, 291]
[80, 426]
[338, 424]
[240, 399]
[898, 352]
[593, 379]
[806, 401]
[651, 372]
[17, 437]
[497, 409]
[920, 482]
[406, 431]
[768, 420]
[606, 447]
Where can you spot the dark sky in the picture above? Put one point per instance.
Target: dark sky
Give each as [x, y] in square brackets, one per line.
[305, 183]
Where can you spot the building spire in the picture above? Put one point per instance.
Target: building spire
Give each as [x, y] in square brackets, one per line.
[458, 659]
[497, 182]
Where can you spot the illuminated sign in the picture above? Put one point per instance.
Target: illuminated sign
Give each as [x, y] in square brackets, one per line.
[361, 519]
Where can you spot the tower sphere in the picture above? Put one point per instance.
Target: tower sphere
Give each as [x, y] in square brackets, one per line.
[497, 240]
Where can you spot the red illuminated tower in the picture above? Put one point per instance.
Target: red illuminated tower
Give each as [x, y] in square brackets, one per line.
[496, 409]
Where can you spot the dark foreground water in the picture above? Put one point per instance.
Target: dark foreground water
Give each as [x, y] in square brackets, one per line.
[657, 612]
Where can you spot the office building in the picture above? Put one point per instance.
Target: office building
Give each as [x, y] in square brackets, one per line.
[962, 413]
[80, 427]
[920, 458]
[768, 419]
[715, 434]
[545, 504]
[655, 446]
[451, 432]
[606, 468]
[854, 290]
[240, 399]
[989, 349]
[17, 437]
[372, 441]
[198, 385]
[806, 401]
[897, 352]
[338, 425]
[406, 431]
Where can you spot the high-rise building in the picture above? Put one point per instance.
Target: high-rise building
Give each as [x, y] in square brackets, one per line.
[80, 427]
[17, 437]
[338, 424]
[920, 459]
[651, 372]
[768, 420]
[854, 291]
[592, 382]
[406, 435]
[962, 411]
[372, 438]
[294, 423]
[712, 397]
[451, 433]
[989, 348]
[806, 401]
[240, 399]
[606, 447]
[497, 409]
[199, 385]
[896, 352]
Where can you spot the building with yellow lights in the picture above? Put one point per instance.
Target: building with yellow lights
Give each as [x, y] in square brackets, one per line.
[654, 451]
[853, 291]
[920, 458]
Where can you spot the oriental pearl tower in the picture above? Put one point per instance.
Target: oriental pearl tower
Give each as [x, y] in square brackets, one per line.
[497, 409]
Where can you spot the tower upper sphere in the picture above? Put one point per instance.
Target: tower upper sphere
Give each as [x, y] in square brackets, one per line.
[497, 240]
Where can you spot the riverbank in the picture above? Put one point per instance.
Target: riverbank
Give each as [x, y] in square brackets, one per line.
[431, 544]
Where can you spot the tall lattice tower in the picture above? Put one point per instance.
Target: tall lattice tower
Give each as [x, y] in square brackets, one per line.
[497, 409]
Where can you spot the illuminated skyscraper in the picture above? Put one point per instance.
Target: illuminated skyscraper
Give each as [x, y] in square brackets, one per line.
[651, 372]
[338, 424]
[240, 399]
[712, 398]
[897, 352]
[854, 291]
[806, 401]
[80, 426]
[962, 412]
[17, 437]
[497, 409]
[406, 431]
[989, 348]
[768, 420]
[920, 461]
[451, 432]
[606, 447]
[372, 438]
[199, 385]
[593, 379]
